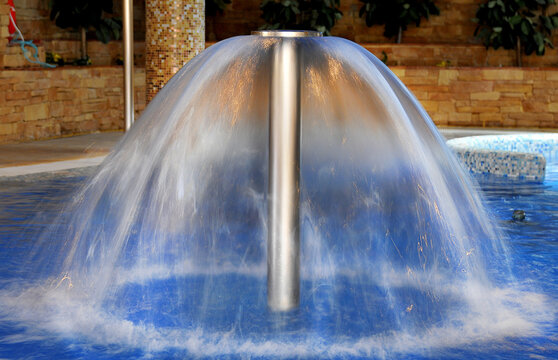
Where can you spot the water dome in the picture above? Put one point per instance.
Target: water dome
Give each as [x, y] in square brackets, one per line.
[164, 250]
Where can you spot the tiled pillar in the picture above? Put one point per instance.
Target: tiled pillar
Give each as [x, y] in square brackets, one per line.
[175, 33]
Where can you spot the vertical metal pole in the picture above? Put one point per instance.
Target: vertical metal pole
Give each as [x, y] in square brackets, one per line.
[283, 246]
[128, 43]
[283, 242]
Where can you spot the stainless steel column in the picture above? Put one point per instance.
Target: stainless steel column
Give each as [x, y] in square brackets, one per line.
[128, 42]
[283, 243]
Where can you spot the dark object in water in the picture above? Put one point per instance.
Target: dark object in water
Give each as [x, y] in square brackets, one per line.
[518, 215]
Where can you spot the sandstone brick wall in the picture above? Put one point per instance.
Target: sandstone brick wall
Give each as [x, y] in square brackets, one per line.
[454, 24]
[4, 21]
[11, 56]
[40, 104]
[455, 55]
[33, 18]
[453, 28]
[100, 54]
[491, 97]
[44, 103]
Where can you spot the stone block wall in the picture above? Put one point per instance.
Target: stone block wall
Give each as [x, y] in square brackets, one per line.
[12, 55]
[454, 55]
[40, 103]
[486, 97]
[4, 21]
[451, 32]
[33, 18]
[100, 54]
[45, 103]
[453, 26]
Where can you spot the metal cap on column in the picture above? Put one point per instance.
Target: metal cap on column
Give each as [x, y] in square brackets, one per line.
[283, 243]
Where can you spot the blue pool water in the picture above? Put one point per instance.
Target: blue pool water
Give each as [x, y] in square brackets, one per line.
[29, 205]
[534, 241]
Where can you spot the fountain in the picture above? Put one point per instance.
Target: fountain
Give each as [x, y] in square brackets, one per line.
[284, 195]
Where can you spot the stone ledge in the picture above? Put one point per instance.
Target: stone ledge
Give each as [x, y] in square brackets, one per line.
[13, 57]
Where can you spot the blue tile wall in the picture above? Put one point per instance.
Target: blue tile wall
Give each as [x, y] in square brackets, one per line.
[518, 156]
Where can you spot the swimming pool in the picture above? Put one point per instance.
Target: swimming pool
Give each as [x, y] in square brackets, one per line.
[29, 204]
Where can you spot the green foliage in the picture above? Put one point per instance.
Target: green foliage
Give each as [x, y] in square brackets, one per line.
[54, 58]
[87, 14]
[214, 7]
[501, 23]
[396, 14]
[384, 57]
[82, 62]
[108, 29]
[319, 15]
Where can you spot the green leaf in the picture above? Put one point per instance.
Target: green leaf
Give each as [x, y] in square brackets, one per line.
[86, 14]
[539, 40]
[103, 34]
[514, 20]
[525, 28]
[395, 14]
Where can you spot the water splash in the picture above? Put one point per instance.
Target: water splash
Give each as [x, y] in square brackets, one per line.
[164, 248]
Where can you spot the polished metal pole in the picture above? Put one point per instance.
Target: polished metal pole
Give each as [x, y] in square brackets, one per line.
[283, 243]
[128, 43]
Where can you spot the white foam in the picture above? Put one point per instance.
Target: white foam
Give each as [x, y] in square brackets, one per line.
[54, 313]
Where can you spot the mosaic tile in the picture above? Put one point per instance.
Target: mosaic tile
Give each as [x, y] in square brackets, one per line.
[521, 156]
[175, 33]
